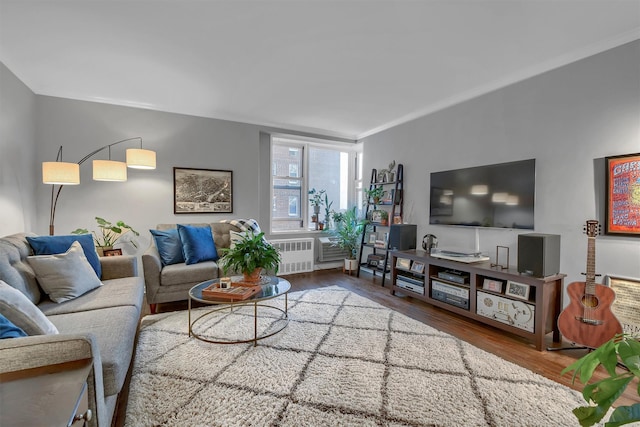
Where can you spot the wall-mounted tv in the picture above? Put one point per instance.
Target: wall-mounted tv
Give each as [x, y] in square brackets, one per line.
[500, 196]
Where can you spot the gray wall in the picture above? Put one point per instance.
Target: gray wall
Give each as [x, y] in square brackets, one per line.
[567, 119]
[147, 197]
[19, 172]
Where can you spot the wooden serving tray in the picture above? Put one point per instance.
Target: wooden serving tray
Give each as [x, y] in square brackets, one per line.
[237, 292]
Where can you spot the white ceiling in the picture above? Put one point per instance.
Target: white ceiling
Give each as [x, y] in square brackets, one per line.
[339, 68]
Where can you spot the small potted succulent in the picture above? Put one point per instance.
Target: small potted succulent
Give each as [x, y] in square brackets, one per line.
[250, 256]
[110, 234]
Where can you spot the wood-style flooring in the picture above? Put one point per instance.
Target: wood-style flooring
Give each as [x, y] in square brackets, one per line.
[510, 347]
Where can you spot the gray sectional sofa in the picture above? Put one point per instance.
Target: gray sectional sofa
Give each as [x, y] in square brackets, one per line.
[168, 283]
[101, 325]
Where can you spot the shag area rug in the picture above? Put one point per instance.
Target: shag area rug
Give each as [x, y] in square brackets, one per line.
[343, 360]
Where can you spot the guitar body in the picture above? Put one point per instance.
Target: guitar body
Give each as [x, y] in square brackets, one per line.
[588, 319]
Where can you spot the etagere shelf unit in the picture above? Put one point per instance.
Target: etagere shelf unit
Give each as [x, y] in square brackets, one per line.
[389, 206]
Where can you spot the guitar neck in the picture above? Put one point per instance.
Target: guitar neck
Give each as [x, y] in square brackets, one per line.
[590, 282]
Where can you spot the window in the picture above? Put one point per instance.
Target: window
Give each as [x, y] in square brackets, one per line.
[298, 166]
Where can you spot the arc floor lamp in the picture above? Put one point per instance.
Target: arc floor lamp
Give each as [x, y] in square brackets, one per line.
[61, 173]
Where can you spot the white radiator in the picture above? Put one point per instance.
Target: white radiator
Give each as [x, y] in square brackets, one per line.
[296, 255]
[329, 252]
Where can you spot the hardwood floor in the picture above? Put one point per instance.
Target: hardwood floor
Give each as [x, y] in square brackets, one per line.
[510, 347]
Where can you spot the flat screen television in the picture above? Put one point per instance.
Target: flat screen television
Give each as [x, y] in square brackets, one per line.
[500, 196]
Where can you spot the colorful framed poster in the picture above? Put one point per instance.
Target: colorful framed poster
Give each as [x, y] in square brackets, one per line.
[623, 195]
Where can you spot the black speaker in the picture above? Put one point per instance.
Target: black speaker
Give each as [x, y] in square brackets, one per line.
[539, 254]
[402, 236]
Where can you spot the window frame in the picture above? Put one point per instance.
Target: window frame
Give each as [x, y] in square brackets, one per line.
[354, 152]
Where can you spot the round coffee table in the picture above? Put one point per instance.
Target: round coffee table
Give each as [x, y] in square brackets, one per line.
[272, 287]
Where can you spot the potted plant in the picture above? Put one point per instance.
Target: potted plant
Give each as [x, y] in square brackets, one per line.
[249, 256]
[316, 199]
[110, 234]
[348, 231]
[374, 195]
[605, 392]
[327, 211]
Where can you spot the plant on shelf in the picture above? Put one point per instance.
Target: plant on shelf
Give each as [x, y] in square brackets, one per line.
[249, 256]
[315, 198]
[374, 194]
[384, 217]
[387, 175]
[347, 233]
[110, 234]
[604, 393]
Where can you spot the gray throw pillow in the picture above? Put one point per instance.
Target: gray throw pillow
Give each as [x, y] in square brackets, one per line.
[65, 276]
[16, 307]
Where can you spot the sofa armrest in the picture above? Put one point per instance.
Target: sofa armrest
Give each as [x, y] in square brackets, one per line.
[43, 354]
[151, 267]
[117, 267]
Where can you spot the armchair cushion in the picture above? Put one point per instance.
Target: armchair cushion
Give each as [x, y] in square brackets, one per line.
[169, 246]
[197, 244]
[50, 245]
[65, 276]
[16, 307]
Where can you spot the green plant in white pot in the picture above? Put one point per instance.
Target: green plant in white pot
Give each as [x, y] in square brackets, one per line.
[110, 234]
[250, 256]
[348, 231]
[623, 348]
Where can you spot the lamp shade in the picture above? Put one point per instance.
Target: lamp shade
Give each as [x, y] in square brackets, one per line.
[60, 173]
[480, 189]
[499, 197]
[513, 200]
[109, 170]
[139, 158]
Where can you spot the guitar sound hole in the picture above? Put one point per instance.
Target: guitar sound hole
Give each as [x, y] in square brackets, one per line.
[589, 301]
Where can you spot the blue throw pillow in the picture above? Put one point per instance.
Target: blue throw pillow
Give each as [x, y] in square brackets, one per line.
[9, 330]
[197, 244]
[51, 245]
[169, 246]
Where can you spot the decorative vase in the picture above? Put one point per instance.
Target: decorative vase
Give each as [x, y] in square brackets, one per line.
[316, 209]
[254, 276]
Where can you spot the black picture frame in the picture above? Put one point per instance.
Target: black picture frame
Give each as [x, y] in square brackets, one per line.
[622, 210]
[198, 191]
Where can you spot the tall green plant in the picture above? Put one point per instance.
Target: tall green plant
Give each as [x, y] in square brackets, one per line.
[348, 231]
[605, 392]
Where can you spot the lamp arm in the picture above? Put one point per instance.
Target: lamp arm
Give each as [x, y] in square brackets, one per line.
[54, 200]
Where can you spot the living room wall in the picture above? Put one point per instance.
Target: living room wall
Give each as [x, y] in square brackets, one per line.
[568, 119]
[17, 159]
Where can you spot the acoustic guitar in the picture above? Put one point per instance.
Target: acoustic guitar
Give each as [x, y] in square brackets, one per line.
[588, 319]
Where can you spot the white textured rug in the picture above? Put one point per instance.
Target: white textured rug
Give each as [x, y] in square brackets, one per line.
[343, 360]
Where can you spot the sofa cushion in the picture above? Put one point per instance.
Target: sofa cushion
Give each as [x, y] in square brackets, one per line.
[9, 330]
[197, 244]
[112, 293]
[50, 245]
[14, 269]
[16, 307]
[115, 329]
[169, 246]
[178, 274]
[65, 276]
